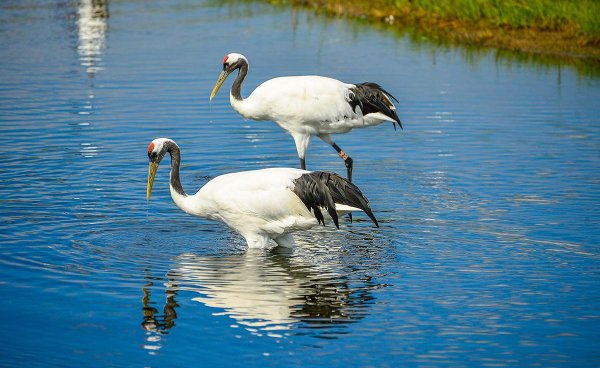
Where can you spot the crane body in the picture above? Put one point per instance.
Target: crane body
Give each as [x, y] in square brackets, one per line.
[262, 205]
[307, 106]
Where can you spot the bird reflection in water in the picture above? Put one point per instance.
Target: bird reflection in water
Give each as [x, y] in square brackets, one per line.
[155, 323]
[274, 293]
[92, 27]
[153, 320]
[91, 23]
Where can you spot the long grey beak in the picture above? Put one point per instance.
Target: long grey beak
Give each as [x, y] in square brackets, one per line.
[220, 81]
[151, 174]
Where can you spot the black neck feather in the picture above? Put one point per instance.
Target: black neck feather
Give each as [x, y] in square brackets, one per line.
[175, 153]
[236, 89]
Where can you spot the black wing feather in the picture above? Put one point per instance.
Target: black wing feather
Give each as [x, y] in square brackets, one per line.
[372, 98]
[344, 192]
[314, 194]
[325, 189]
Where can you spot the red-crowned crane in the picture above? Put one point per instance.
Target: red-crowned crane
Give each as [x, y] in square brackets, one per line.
[262, 204]
[310, 105]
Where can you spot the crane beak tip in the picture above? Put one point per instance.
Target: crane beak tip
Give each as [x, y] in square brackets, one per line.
[151, 174]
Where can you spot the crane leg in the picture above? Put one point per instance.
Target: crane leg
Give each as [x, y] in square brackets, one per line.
[347, 160]
[302, 141]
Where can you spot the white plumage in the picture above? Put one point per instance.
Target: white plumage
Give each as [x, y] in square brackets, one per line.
[261, 204]
[307, 106]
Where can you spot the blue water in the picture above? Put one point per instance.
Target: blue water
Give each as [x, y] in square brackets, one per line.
[488, 252]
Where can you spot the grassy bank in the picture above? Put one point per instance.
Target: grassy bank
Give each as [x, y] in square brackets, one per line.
[555, 27]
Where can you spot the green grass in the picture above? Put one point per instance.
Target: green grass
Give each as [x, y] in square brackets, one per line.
[581, 16]
[577, 17]
[565, 28]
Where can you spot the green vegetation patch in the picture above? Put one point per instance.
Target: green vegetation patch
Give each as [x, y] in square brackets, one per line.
[565, 28]
[580, 16]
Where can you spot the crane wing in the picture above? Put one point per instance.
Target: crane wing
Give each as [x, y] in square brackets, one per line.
[326, 189]
[373, 99]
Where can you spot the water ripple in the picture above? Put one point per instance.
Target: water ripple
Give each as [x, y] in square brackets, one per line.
[487, 252]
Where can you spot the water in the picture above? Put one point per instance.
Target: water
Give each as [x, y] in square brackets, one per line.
[488, 251]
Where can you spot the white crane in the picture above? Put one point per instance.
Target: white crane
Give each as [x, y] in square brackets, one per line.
[262, 204]
[310, 105]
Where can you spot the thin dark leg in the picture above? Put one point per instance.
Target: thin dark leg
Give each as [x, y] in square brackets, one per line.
[302, 163]
[347, 160]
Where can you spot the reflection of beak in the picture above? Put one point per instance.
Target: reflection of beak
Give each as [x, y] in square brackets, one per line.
[151, 174]
[220, 81]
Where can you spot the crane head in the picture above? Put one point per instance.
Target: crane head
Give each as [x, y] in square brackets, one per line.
[231, 62]
[156, 151]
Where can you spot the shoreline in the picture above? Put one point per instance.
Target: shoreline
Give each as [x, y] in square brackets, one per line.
[535, 40]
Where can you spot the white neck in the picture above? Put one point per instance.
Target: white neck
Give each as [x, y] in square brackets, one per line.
[192, 205]
[246, 107]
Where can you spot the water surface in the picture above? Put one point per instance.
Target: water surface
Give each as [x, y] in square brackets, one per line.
[488, 251]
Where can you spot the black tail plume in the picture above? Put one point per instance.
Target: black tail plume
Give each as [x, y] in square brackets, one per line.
[372, 98]
[314, 194]
[324, 189]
